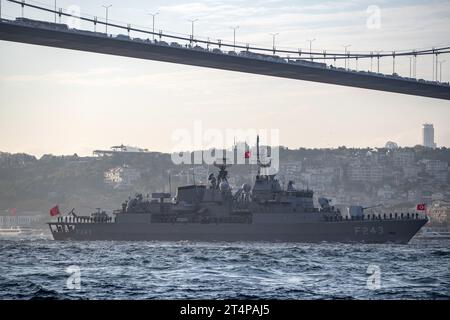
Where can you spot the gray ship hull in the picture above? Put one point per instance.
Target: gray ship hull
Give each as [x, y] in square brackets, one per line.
[364, 231]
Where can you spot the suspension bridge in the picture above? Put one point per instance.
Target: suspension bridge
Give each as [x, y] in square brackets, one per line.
[315, 66]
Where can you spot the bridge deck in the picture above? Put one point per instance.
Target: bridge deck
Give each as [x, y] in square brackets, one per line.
[133, 49]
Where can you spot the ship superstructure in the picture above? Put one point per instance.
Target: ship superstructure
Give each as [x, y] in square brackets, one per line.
[213, 212]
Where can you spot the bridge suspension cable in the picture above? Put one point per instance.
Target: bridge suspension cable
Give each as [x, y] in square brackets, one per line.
[313, 55]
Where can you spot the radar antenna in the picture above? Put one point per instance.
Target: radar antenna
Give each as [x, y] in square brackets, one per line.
[223, 173]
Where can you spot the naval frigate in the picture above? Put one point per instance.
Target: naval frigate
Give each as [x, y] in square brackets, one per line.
[264, 212]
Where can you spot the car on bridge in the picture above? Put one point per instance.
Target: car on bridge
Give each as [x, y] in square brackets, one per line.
[161, 43]
[310, 63]
[199, 48]
[176, 45]
[122, 37]
[42, 24]
[89, 33]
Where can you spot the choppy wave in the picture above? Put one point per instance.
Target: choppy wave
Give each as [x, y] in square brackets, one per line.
[37, 269]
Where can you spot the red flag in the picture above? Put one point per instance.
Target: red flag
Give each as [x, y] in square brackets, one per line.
[421, 207]
[54, 211]
[13, 211]
[247, 154]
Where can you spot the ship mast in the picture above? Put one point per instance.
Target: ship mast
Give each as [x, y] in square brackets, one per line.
[258, 161]
[223, 173]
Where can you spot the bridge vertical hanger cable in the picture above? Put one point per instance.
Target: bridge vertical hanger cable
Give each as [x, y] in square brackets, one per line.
[371, 61]
[55, 11]
[437, 66]
[378, 62]
[440, 69]
[415, 66]
[393, 62]
[410, 66]
[433, 65]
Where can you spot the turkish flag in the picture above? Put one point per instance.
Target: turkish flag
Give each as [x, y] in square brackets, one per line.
[54, 211]
[13, 211]
[421, 207]
[247, 154]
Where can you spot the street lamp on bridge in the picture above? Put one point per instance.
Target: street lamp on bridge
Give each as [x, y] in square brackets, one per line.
[378, 61]
[410, 66]
[192, 22]
[234, 36]
[440, 70]
[273, 41]
[345, 59]
[106, 25]
[23, 8]
[153, 23]
[55, 11]
[310, 47]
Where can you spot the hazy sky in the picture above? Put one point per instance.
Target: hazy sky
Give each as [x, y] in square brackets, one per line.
[60, 101]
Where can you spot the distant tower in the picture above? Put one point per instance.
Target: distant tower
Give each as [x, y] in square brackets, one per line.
[428, 136]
